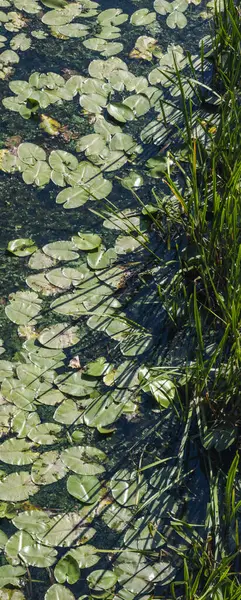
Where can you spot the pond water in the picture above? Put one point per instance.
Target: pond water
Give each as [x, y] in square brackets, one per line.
[91, 355]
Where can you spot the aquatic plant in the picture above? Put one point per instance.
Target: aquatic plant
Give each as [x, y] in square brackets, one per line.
[93, 311]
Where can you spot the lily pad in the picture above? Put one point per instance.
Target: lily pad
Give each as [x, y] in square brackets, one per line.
[67, 569]
[58, 592]
[59, 336]
[87, 241]
[120, 112]
[101, 258]
[127, 488]
[85, 488]
[85, 556]
[17, 487]
[84, 460]
[61, 250]
[48, 468]
[45, 433]
[17, 452]
[100, 581]
[22, 247]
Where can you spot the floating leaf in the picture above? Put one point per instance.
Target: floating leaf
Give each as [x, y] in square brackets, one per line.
[38, 555]
[67, 413]
[126, 243]
[142, 17]
[17, 452]
[22, 247]
[101, 580]
[32, 521]
[176, 19]
[101, 258]
[45, 433]
[48, 468]
[127, 488]
[61, 250]
[16, 543]
[39, 261]
[116, 517]
[91, 144]
[65, 529]
[85, 556]
[11, 576]
[59, 336]
[73, 384]
[87, 241]
[23, 307]
[138, 103]
[17, 487]
[73, 197]
[20, 42]
[67, 569]
[85, 489]
[58, 592]
[120, 112]
[31, 153]
[162, 7]
[84, 460]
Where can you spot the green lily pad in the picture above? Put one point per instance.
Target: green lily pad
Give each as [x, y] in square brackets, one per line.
[101, 258]
[23, 307]
[39, 174]
[73, 197]
[67, 569]
[91, 144]
[126, 243]
[85, 556]
[120, 112]
[23, 421]
[38, 555]
[16, 543]
[17, 487]
[87, 241]
[39, 261]
[102, 412]
[142, 17]
[32, 521]
[31, 153]
[11, 576]
[101, 580]
[65, 529]
[17, 452]
[138, 103]
[162, 7]
[115, 517]
[48, 468]
[59, 336]
[176, 19]
[58, 592]
[45, 433]
[84, 460]
[85, 488]
[67, 413]
[22, 247]
[127, 488]
[61, 250]
[72, 384]
[20, 42]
